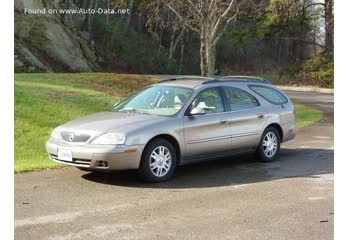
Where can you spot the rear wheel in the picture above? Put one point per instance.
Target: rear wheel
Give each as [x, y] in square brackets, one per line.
[269, 145]
[158, 161]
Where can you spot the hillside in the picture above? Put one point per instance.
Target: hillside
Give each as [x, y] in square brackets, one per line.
[47, 43]
[75, 43]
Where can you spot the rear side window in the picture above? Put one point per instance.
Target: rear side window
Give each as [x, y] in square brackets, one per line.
[270, 94]
[239, 99]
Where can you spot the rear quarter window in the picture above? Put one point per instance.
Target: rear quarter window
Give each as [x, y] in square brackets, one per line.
[272, 95]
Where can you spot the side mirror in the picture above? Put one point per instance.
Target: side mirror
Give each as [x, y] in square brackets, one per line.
[197, 111]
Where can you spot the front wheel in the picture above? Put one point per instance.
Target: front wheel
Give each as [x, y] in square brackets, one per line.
[158, 161]
[269, 145]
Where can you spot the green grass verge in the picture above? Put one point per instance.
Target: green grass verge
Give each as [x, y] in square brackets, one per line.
[306, 115]
[44, 101]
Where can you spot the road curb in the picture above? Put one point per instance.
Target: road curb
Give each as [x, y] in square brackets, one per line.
[307, 89]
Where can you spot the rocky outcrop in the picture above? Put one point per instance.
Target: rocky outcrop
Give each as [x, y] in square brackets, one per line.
[46, 43]
[26, 61]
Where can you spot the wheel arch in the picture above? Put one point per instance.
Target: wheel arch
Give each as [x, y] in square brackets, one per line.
[173, 142]
[278, 128]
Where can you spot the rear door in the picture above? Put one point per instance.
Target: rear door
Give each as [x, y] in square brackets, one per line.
[246, 118]
[209, 134]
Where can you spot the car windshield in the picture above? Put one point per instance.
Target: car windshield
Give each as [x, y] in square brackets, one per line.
[156, 100]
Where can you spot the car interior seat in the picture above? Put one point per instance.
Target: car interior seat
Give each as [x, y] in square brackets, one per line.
[179, 100]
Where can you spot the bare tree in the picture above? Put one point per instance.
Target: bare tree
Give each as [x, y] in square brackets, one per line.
[208, 18]
[173, 43]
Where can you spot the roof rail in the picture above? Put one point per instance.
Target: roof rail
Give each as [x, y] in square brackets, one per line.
[186, 78]
[254, 78]
[242, 77]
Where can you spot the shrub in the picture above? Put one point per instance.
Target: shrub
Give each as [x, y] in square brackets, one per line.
[318, 71]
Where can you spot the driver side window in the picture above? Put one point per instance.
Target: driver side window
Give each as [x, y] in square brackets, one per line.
[210, 100]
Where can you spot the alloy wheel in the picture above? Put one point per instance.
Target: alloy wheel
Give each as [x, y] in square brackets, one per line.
[270, 144]
[160, 161]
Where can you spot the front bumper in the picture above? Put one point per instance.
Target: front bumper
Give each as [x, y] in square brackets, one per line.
[99, 157]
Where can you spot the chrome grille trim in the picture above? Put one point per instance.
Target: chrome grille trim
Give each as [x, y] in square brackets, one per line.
[74, 137]
[76, 161]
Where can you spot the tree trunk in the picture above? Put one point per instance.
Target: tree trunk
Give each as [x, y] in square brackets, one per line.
[207, 54]
[90, 17]
[203, 55]
[160, 40]
[131, 4]
[329, 24]
[139, 22]
[171, 47]
[210, 53]
[95, 7]
[182, 55]
[156, 25]
[173, 44]
[107, 15]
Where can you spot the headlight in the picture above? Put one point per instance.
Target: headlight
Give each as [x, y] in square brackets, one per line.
[56, 134]
[110, 138]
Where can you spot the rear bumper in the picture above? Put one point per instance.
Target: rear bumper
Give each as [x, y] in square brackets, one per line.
[289, 131]
[99, 157]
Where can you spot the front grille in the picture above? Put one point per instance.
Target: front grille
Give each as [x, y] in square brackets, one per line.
[75, 161]
[74, 137]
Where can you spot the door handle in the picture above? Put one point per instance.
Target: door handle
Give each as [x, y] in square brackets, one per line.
[223, 121]
[261, 116]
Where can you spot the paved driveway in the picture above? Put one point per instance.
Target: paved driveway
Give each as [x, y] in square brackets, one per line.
[240, 198]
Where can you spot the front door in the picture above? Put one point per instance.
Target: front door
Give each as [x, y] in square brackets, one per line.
[208, 134]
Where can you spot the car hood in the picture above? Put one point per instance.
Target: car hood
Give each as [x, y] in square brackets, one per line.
[109, 122]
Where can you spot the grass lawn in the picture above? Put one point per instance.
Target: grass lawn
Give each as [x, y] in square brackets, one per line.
[44, 101]
[306, 115]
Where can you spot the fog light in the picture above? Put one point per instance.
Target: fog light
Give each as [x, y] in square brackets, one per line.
[102, 164]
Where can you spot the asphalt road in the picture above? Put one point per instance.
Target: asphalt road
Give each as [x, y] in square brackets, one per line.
[239, 198]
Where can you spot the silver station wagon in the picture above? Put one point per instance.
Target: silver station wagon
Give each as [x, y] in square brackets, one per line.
[179, 121]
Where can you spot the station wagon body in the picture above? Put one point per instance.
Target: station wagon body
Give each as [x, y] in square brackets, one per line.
[179, 121]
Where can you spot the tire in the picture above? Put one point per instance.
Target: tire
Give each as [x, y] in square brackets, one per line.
[158, 161]
[269, 145]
